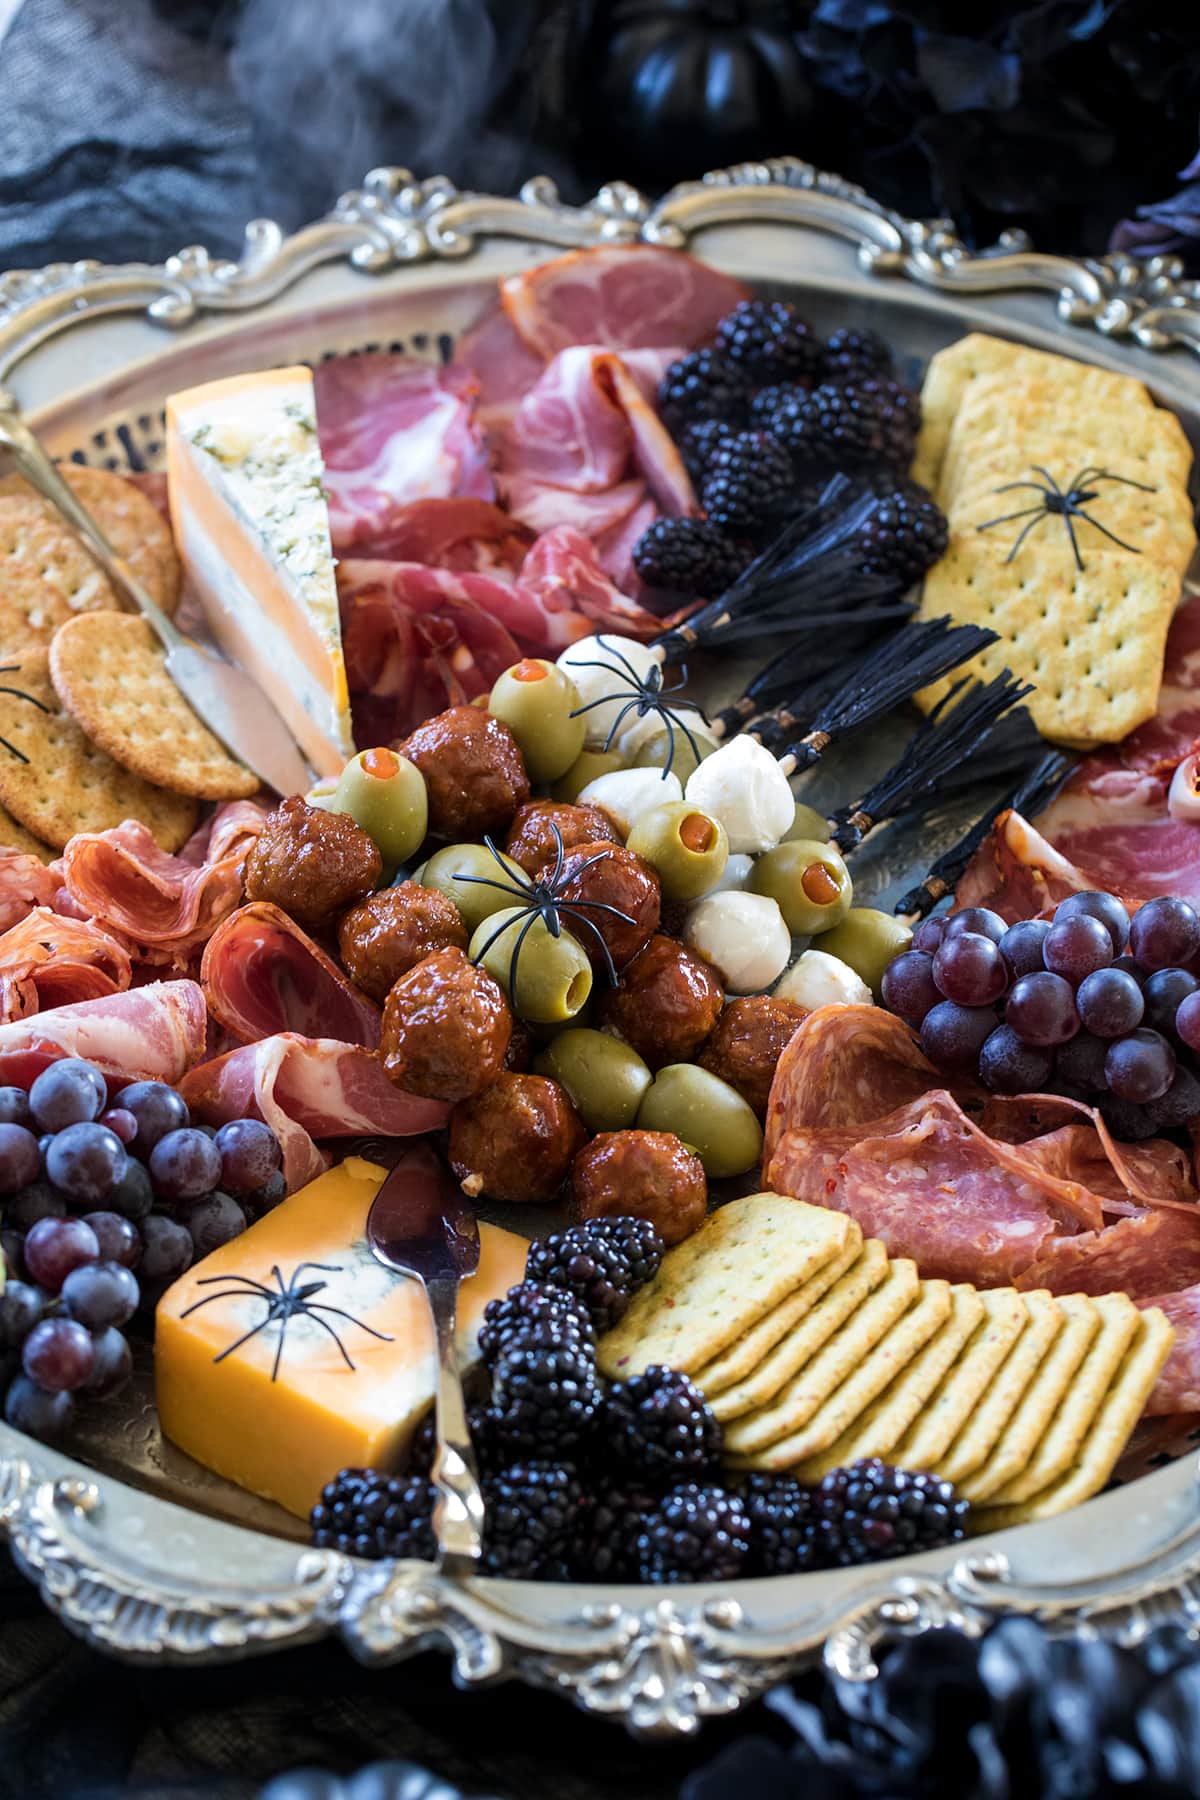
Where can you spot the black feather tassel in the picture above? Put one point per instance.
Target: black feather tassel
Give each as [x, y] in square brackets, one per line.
[806, 667]
[1014, 745]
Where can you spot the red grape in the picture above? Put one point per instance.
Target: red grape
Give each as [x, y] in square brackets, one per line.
[1007, 1065]
[1080, 1062]
[70, 1092]
[980, 919]
[113, 1363]
[929, 934]
[1021, 946]
[1164, 933]
[53, 1247]
[1127, 1121]
[1130, 966]
[1095, 904]
[215, 1220]
[58, 1354]
[269, 1195]
[1041, 1009]
[1110, 1003]
[1076, 946]
[1187, 1021]
[14, 1107]
[37, 1201]
[12, 1244]
[86, 1162]
[1140, 1067]
[250, 1152]
[1179, 1105]
[21, 1306]
[167, 1250]
[157, 1109]
[908, 989]
[117, 1237]
[185, 1164]
[122, 1121]
[29, 1408]
[970, 970]
[952, 1035]
[99, 1295]
[20, 1159]
[1165, 991]
[133, 1195]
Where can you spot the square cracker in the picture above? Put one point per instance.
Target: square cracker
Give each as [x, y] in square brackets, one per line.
[1091, 641]
[881, 1426]
[832, 1366]
[1040, 1401]
[877, 1369]
[1060, 1446]
[1146, 447]
[1004, 1315]
[1119, 1412]
[1042, 1326]
[831, 1311]
[744, 1356]
[745, 1259]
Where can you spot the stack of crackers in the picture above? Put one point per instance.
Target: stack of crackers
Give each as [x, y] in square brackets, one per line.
[814, 1348]
[1090, 640]
[92, 728]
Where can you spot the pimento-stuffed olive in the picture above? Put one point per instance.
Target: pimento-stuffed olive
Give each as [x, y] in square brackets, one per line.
[516, 1140]
[385, 794]
[666, 1003]
[531, 841]
[388, 933]
[648, 1173]
[750, 1037]
[616, 892]
[446, 1029]
[311, 863]
[540, 705]
[475, 776]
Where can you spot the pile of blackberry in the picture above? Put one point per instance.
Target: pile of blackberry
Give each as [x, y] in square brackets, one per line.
[621, 1481]
[763, 416]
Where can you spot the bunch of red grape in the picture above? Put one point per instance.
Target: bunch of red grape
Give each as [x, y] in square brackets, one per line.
[1090, 1003]
[92, 1188]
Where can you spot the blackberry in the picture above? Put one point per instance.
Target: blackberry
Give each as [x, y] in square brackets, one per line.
[533, 1312]
[532, 1513]
[363, 1512]
[704, 384]
[603, 1263]
[898, 415]
[854, 356]
[872, 1510]
[697, 443]
[690, 556]
[695, 1534]
[904, 536]
[832, 425]
[659, 1424]
[545, 1397]
[770, 340]
[609, 1550]
[747, 481]
[782, 1518]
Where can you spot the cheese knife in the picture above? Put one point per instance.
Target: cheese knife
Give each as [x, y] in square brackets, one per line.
[422, 1225]
[230, 702]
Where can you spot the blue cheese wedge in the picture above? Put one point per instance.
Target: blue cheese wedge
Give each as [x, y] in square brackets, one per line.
[248, 509]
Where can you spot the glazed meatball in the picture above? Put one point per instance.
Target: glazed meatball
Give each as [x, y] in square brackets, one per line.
[749, 1039]
[530, 838]
[311, 863]
[519, 1054]
[618, 879]
[390, 932]
[666, 1003]
[446, 1028]
[474, 773]
[516, 1140]
[648, 1173]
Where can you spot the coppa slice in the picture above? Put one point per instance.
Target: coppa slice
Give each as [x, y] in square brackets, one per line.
[1043, 1326]
[743, 1357]
[1004, 1314]
[248, 507]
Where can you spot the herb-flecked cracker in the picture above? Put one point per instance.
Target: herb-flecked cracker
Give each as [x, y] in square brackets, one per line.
[745, 1259]
[1004, 1315]
[744, 1356]
[132, 524]
[1044, 1324]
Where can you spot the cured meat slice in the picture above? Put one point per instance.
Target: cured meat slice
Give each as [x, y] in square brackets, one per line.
[47, 960]
[25, 882]
[624, 297]
[1018, 873]
[306, 1088]
[845, 1066]
[150, 1033]
[563, 575]
[262, 975]
[1138, 1254]
[462, 534]
[497, 358]
[1178, 1387]
[393, 430]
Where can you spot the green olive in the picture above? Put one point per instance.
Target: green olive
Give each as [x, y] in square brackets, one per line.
[547, 979]
[808, 823]
[475, 898]
[385, 794]
[687, 848]
[706, 1113]
[690, 749]
[604, 1077]
[810, 882]
[588, 765]
[867, 940]
[322, 795]
[539, 703]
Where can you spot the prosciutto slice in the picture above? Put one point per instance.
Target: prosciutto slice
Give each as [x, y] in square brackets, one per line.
[460, 534]
[495, 356]
[1018, 873]
[261, 975]
[25, 882]
[306, 1088]
[47, 960]
[624, 297]
[393, 430]
[151, 1033]
[574, 596]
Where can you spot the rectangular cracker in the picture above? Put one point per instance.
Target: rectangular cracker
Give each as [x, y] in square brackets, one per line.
[1119, 1413]
[1004, 1315]
[1158, 525]
[744, 1356]
[875, 1370]
[745, 1259]
[1059, 1449]
[804, 1340]
[833, 1365]
[1140, 448]
[1043, 1323]
[1040, 1401]
[884, 1422]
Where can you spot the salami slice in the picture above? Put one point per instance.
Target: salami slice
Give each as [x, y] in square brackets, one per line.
[262, 975]
[1178, 1387]
[25, 882]
[48, 960]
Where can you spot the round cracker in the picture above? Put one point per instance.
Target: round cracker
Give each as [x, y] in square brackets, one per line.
[132, 524]
[110, 673]
[65, 784]
[46, 575]
[14, 836]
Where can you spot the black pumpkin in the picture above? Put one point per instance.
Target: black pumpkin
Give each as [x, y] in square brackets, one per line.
[674, 87]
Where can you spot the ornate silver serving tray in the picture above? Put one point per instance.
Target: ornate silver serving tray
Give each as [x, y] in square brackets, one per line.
[132, 1545]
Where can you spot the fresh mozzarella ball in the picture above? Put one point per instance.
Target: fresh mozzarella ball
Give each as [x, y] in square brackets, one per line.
[818, 979]
[602, 667]
[743, 936]
[737, 874]
[743, 786]
[627, 793]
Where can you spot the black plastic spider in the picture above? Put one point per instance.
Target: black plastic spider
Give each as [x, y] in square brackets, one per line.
[19, 694]
[540, 900]
[1067, 504]
[641, 697]
[282, 1306]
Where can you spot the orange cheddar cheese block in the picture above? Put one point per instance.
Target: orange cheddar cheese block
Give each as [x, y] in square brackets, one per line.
[281, 1418]
[248, 510]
